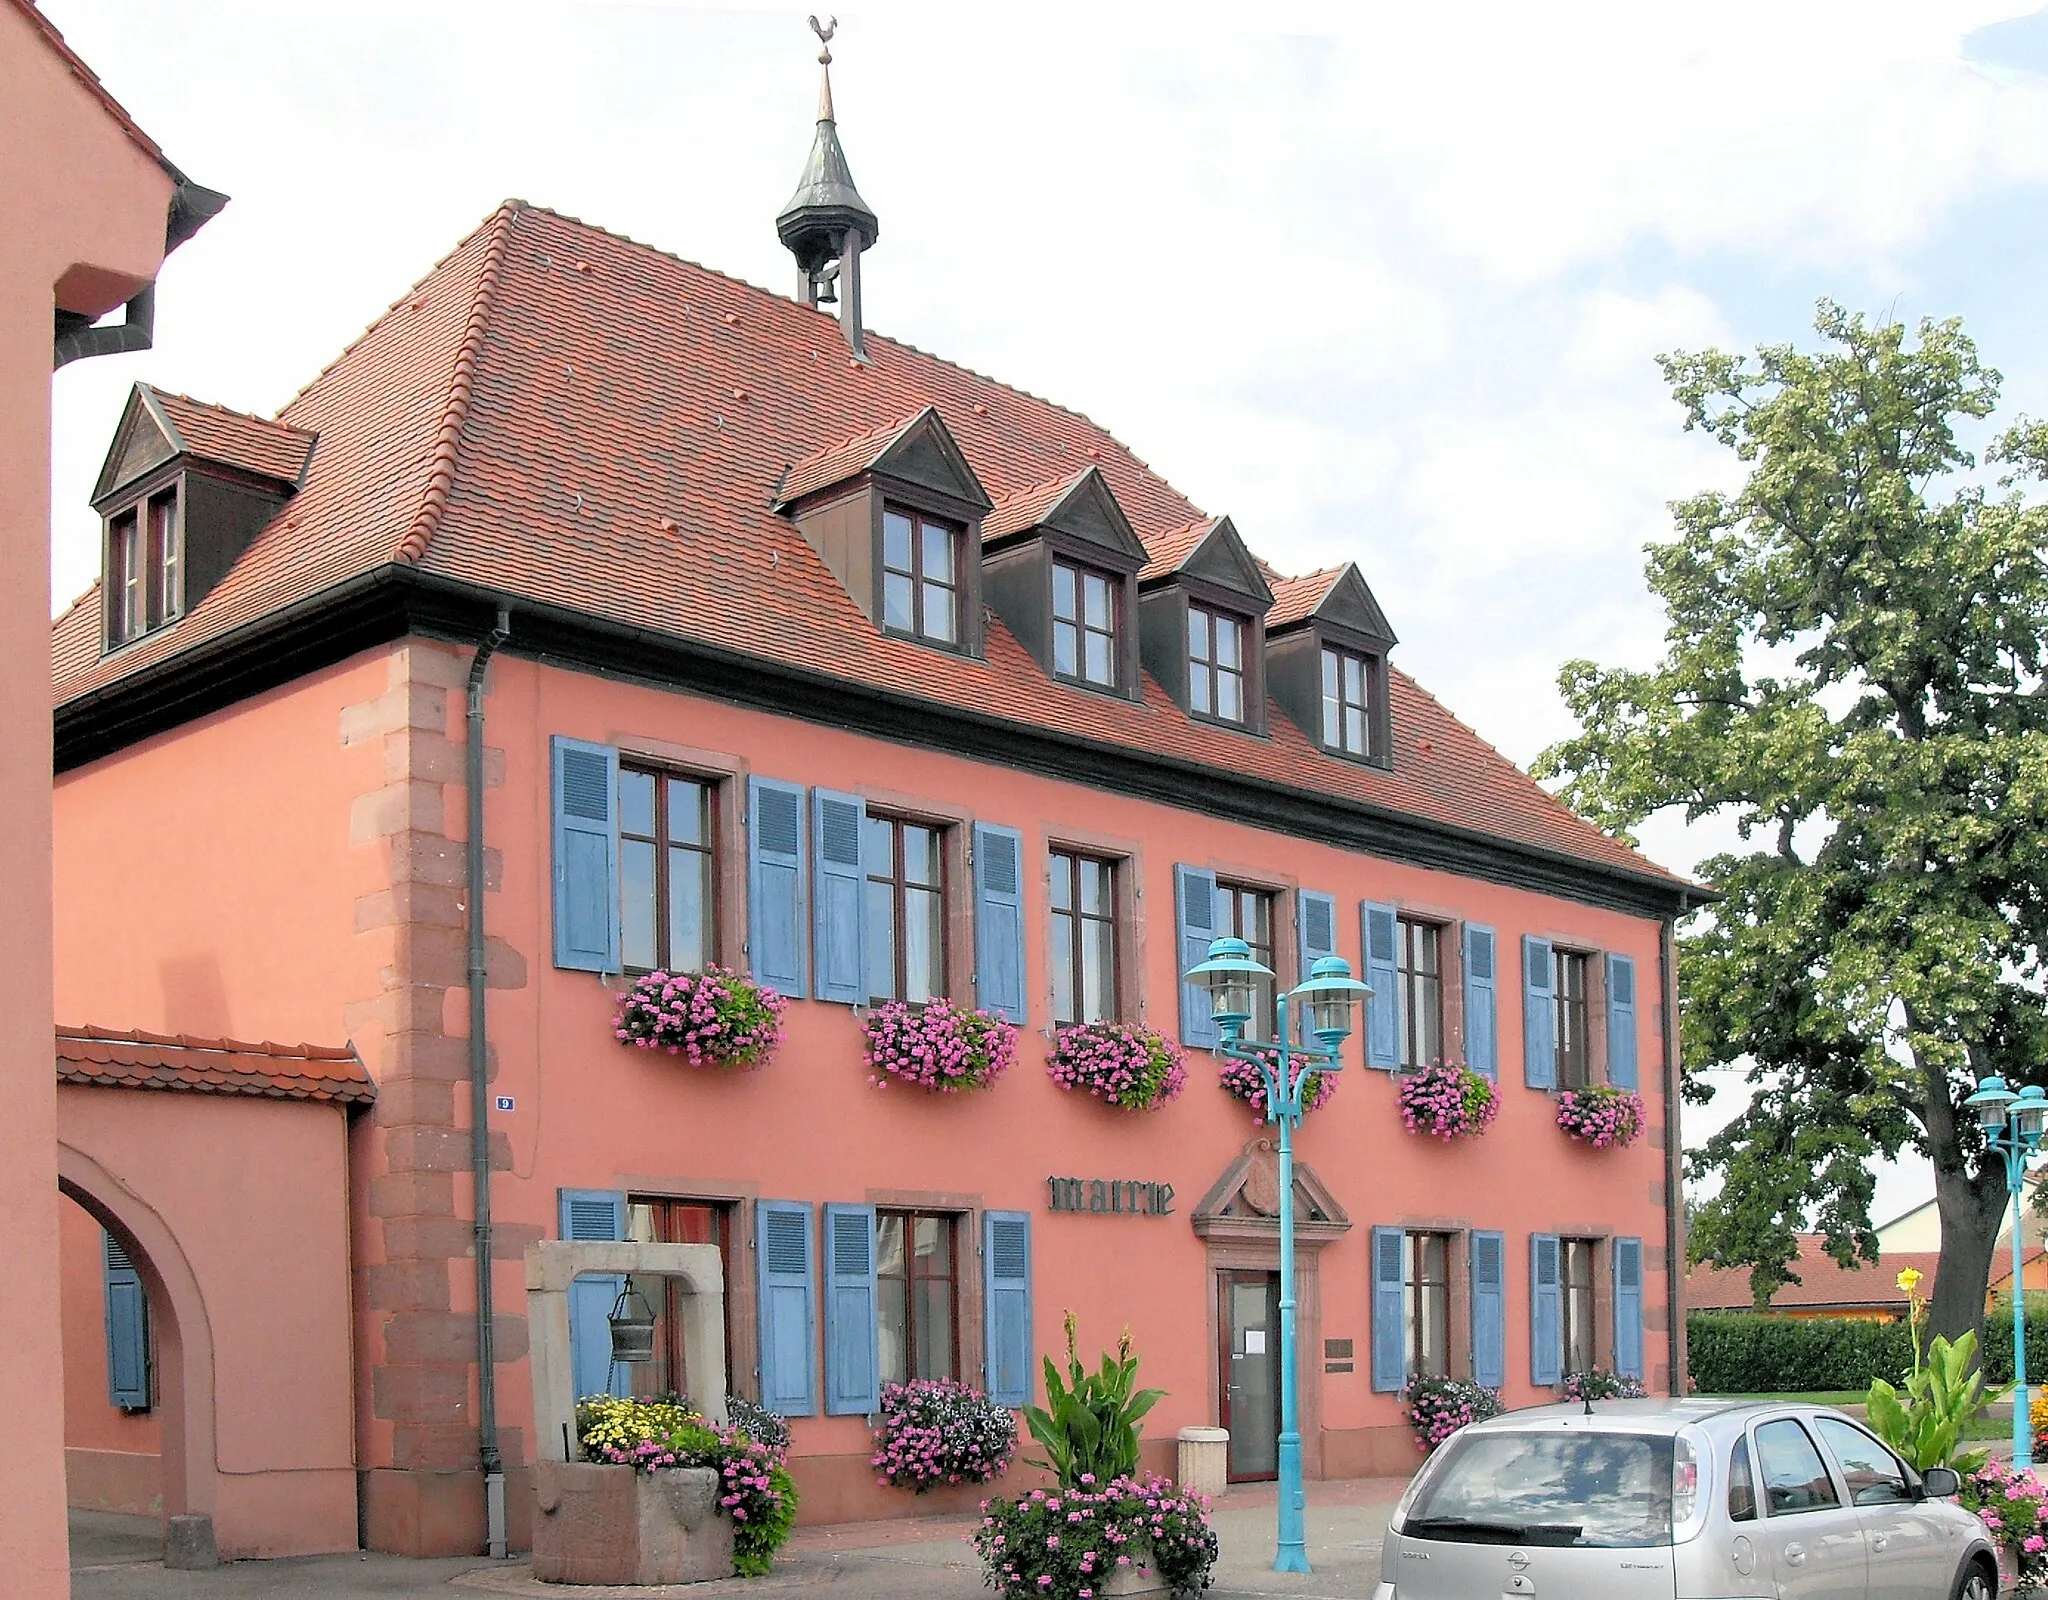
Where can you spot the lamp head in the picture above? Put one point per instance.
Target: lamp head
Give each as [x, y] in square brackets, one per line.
[1989, 1104]
[1330, 993]
[2029, 1113]
[1234, 981]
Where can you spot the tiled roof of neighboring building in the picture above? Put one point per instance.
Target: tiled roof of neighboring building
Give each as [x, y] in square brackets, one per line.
[1824, 1283]
[500, 429]
[177, 1061]
[214, 433]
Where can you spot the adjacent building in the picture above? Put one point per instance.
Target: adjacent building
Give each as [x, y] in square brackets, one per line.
[660, 621]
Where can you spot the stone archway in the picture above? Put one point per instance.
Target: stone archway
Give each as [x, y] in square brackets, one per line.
[183, 1334]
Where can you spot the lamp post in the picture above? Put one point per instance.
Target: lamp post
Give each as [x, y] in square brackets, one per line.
[2012, 1125]
[1234, 981]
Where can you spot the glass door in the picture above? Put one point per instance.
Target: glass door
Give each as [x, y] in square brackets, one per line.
[1248, 1325]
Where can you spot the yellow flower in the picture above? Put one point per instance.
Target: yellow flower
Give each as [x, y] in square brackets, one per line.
[1909, 1280]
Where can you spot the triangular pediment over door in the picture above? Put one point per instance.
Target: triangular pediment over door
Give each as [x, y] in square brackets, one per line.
[1244, 1202]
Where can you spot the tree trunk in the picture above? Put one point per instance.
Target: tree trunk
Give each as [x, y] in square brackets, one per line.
[1970, 1206]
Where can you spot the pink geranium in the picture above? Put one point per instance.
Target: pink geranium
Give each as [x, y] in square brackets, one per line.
[1602, 1116]
[1134, 1068]
[714, 1017]
[937, 1046]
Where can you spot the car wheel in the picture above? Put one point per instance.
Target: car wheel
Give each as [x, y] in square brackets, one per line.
[1976, 1583]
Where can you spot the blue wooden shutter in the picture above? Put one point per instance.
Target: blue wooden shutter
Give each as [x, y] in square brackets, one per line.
[594, 1214]
[127, 1330]
[1006, 1277]
[1539, 1014]
[853, 1369]
[777, 929]
[999, 920]
[838, 898]
[1389, 1322]
[1621, 1022]
[782, 1243]
[586, 789]
[1482, 1020]
[1316, 935]
[1489, 1309]
[1380, 938]
[1546, 1311]
[1628, 1307]
[1194, 898]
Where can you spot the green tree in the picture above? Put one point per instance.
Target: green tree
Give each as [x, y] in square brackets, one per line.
[1853, 675]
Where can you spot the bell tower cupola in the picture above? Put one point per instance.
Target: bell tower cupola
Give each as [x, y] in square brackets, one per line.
[826, 224]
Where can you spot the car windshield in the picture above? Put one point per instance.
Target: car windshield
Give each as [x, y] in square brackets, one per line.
[1603, 1490]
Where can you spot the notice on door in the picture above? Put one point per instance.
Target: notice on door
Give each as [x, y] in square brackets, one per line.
[1255, 1341]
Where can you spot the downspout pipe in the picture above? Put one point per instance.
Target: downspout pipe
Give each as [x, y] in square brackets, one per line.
[479, 1096]
[1674, 1155]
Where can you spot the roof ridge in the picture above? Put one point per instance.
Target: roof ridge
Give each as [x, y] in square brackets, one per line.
[82, 597]
[441, 470]
[205, 1044]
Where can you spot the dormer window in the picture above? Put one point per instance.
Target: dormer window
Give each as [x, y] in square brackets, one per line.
[1347, 702]
[920, 576]
[1084, 624]
[1215, 664]
[144, 589]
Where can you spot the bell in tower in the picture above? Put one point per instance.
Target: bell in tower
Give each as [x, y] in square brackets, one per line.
[826, 224]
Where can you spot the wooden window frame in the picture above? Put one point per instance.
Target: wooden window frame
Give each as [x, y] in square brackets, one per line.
[911, 1277]
[1368, 673]
[1234, 893]
[725, 1229]
[955, 582]
[1572, 1247]
[143, 565]
[1415, 1242]
[1405, 926]
[1574, 1042]
[1115, 583]
[1072, 856]
[899, 890]
[710, 850]
[1242, 672]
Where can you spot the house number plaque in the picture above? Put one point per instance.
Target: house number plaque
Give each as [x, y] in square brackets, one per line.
[1111, 1196]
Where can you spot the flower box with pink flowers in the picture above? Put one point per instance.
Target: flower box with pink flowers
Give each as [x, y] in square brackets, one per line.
[1247, 1081]
[1447, 1100]
[716, 1017]
[939, 1046]
[1135, 1069]
[1604, 1117]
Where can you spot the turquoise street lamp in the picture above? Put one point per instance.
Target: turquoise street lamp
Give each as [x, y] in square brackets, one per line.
[2012, 1125]
[1330, 995]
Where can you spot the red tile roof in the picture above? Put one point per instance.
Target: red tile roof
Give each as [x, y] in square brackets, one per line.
[101, 1058]
[495, 427]
[1296, 598]
[1027, 508]
[214, 433]
[1824, 1283]
[1168, 549]
[847, 459]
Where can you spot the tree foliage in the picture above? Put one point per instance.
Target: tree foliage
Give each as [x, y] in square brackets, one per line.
[1852, 674]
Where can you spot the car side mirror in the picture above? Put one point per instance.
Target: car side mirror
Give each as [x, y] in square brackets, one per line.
[1939, 1483]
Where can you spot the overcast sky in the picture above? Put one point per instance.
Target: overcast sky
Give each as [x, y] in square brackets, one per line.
[1383, 283]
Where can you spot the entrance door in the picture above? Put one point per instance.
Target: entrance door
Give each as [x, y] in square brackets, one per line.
[1248, 1321]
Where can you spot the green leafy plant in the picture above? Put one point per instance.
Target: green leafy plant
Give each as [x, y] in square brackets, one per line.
[1089, 1425]
[1944, 1395]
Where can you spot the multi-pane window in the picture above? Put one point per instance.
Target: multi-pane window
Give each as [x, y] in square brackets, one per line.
[1575, 1301]
[1574, 1059]
[1084, 625]
[1083, 938]
[1246, 913]
[906, 910]
[921, 576]
[1215, 664]
[1347, 726]
[1426, 1303]
[916, 1295]
[1422, 992]
[662, 1220]
[667, 890]
[143, 560]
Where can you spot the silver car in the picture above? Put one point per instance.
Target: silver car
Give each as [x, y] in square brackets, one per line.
[1680, 1500]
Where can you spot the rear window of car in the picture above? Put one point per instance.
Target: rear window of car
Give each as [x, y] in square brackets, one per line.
[1603, 1490]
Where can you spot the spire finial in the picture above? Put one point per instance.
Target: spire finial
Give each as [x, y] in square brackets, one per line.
[826, 223]
[825, 33]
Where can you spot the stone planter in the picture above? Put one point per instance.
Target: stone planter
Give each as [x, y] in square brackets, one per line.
[1130, 1581]
[613, 1525]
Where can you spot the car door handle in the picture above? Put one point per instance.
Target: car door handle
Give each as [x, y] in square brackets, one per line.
[1795, 1555]
[1878, 1541]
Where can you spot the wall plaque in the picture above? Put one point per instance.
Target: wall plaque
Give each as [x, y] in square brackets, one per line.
[1111, 1196]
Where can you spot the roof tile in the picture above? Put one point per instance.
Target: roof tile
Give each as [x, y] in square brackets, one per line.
[140, 1060]
[214, 433]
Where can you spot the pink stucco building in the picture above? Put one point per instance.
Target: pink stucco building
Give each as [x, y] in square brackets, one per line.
[613, 614]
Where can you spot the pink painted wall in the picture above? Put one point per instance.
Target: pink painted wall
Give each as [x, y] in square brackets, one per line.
[254, 1296]
[84, 207]
[112, 1458]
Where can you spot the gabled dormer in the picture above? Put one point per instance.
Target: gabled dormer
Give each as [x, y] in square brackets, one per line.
[185, 487]
[1326, 662]
[1061, 562]
[896, 514]
[1202, 602]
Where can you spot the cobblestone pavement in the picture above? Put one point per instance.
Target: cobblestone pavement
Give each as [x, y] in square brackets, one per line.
[118, 1558]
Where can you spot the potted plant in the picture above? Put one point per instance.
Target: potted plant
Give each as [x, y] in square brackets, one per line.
[1602, 1116]
[1447, 1100]
[1130, 1067]
[1245, 1080]
[938, 1431]
[715, 1017]
[1439, 1407]
[1597, 1383]
[937, 1046]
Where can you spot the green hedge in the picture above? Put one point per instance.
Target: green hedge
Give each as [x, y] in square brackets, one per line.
[1998, 1341]
[1739, 1352]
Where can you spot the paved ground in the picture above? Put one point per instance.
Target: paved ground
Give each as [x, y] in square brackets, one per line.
[119, 1558]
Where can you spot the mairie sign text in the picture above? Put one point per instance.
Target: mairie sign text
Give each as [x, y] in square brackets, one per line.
[1111, 1196]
